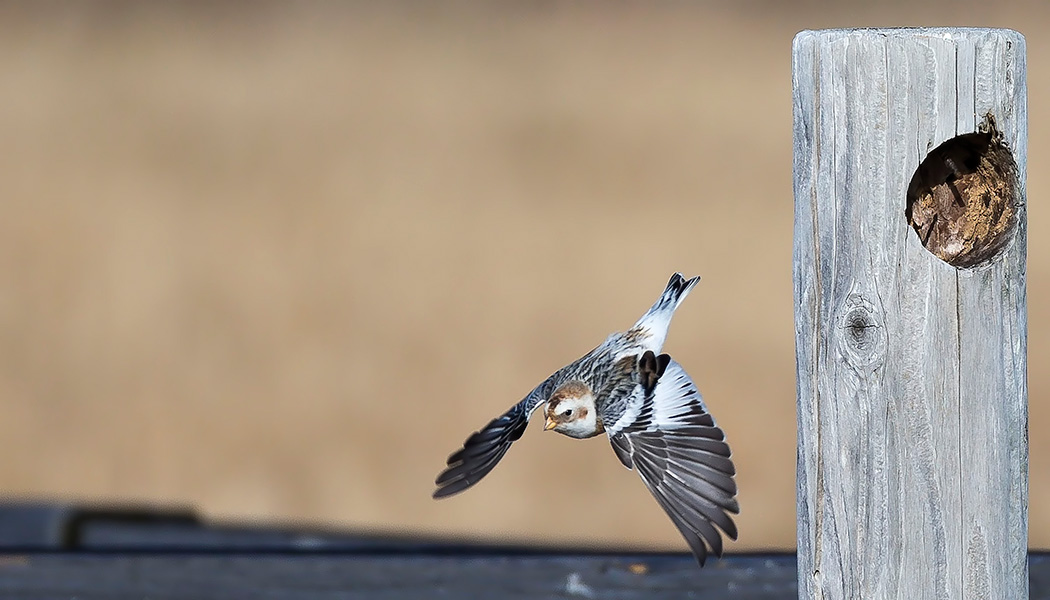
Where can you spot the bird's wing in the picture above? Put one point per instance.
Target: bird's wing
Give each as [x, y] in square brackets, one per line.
[485, 448]
[683, 459]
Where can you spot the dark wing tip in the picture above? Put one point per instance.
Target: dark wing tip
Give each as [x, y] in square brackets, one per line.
[452, 488]
[480, 453]
[730, 532]
[732, 506]
[443, 492]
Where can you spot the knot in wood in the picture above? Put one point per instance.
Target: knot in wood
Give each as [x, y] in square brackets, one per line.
[861, 334]
[962, 200]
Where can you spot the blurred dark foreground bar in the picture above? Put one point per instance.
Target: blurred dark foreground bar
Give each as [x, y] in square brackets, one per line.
[68, 551]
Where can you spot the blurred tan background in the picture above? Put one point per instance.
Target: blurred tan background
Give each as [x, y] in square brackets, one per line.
[277, 262]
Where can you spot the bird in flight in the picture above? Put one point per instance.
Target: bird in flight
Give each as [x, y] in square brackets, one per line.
[653, 414]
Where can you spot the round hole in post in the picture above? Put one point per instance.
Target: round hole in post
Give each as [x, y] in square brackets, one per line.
[962, 200]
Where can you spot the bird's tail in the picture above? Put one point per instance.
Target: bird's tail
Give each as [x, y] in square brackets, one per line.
[658, 318]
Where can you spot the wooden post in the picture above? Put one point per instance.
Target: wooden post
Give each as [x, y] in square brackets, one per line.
[912, 397]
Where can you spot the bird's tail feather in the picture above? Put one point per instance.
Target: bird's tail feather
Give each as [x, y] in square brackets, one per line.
[658, 318]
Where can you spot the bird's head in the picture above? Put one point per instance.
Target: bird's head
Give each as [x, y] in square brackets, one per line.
[571, 411]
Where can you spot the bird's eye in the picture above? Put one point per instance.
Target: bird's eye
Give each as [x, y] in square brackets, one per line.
[567, 412]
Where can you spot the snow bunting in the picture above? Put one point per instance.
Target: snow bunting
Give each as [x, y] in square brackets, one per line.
[651, 411]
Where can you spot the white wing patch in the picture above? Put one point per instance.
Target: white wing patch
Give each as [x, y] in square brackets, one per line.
[673, 400]
[682, 457]
[675, 397]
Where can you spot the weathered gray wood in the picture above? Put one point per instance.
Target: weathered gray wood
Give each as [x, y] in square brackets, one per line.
[912, 398]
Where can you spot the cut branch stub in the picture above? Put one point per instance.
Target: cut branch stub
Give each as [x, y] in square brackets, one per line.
[962, 200]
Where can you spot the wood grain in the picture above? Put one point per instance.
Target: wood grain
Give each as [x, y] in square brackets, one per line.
[912, 399]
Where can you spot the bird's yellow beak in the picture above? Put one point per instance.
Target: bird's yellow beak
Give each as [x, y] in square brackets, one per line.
[550, 424]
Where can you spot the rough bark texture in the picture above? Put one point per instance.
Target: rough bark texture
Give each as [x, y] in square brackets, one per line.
[912, 398]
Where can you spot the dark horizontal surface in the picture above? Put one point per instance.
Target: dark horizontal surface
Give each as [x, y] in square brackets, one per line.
[201, 577]
[64, 551]
[56, 526]
[395, 577]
